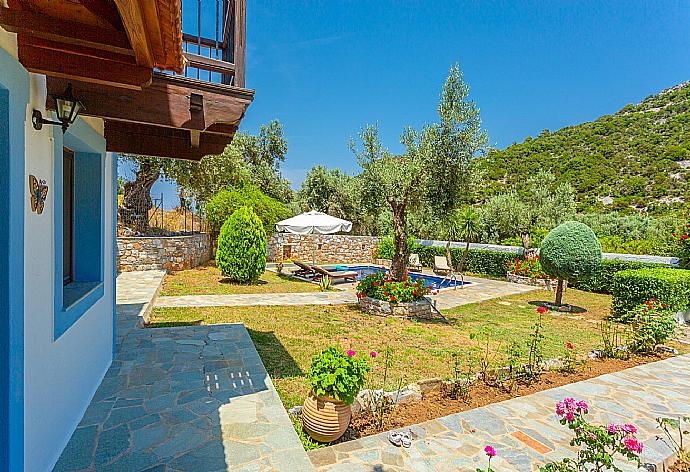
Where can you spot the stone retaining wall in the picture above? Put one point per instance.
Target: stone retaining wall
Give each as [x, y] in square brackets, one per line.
[548, 284]
[402, 310]
[333, 248]
[162, 252]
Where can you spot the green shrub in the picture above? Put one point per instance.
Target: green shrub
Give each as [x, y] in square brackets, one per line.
[480, 262]
[570, 251]
[630, 288]
[653, 323]
[337, 374]
[386, 249]
[224, 203]
[600, 280]
[241, 254]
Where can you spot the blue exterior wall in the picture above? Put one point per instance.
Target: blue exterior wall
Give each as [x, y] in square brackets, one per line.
[14, 95]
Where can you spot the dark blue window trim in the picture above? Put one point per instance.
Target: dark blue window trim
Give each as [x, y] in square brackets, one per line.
[75, 299]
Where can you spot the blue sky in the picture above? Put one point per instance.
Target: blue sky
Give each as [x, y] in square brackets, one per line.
[325, 69]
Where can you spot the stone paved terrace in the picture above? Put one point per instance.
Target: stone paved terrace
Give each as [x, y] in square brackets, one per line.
[525, 431]
[478, 290]
[182, 399]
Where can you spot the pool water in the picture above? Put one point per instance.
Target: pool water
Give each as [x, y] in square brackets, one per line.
[432, 281]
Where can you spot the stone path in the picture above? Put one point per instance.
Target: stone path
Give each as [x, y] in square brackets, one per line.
[182, 399]
[479, 290]
[525, 431]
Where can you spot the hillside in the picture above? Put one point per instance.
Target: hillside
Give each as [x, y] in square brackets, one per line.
[638, 158]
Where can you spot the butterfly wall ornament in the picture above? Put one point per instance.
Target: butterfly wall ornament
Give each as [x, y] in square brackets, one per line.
[38, 190]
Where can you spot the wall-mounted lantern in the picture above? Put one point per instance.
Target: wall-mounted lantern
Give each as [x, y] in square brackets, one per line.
[67, 108]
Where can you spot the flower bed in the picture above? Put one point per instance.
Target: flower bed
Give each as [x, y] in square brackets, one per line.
[378, 294]
[529, 272]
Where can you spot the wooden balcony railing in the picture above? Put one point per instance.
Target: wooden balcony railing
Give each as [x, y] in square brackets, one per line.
[214, 40]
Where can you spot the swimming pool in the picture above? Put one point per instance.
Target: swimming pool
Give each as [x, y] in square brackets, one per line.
[432, 281]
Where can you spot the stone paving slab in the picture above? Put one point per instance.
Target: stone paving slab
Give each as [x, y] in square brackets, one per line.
[525, 431]
[479, 290]
[182, 399]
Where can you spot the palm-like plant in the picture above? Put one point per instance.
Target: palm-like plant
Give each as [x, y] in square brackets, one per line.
[468, 229]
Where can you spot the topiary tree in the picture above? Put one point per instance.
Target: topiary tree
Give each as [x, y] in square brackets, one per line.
[241, 254]
[570, 252]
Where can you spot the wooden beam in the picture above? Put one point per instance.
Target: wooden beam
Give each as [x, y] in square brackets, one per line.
[209, 63]
[165, 102]
[54, 29]
[162, 142]
[73, 66]
[133, 20]
[239, 58]
[106, 10]
[53, 47]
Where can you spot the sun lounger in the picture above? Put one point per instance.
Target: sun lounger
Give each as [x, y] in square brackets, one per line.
[441, 265]
[335, 274]
[414, 263]
[304, 270]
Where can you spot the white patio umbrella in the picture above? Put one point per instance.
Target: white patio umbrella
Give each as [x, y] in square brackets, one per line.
[314, 222]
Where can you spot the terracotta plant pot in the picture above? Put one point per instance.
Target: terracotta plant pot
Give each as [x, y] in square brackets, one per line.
[325, 419]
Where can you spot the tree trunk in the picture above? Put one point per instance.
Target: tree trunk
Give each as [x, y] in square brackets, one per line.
[449, 257]
[559, 292]
[136, 203]
[400, 257]
[464, 257]
[525, 243]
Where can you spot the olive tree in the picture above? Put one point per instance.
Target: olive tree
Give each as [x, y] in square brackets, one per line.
[571, 252]
[543, 204]
[433, 171]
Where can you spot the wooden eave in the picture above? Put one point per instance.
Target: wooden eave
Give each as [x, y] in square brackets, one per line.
[165, 103]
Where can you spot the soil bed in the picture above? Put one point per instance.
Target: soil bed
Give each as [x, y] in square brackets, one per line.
[437, 404]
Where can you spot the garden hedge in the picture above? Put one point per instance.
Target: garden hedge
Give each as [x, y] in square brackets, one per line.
[600, 281]
[630, 288]
[241, 253]
[480, 262]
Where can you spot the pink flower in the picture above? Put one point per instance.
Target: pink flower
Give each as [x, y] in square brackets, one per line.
[541, 310]
[633, 445]
[581, 405]
[612, 428]
[351, 353]
[372, 353]
[570, 416]
[629, 428]
[490, 451]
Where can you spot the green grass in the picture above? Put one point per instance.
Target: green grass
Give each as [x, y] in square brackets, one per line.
[207, 280]
[287, 337]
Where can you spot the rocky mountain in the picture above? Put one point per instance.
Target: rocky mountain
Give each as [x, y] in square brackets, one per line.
[635, 159]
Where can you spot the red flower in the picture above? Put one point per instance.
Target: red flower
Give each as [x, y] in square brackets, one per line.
[541, 310]
[685, 236]
[569, 345]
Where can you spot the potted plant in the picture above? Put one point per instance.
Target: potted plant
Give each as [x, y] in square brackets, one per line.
[336, 378]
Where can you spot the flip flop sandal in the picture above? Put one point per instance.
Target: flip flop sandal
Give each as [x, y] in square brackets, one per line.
[405, 439]
[395, 438]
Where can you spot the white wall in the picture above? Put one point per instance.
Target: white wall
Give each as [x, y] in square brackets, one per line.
[60, 376]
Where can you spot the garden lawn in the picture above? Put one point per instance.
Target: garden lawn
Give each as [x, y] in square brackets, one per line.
[287, 337]
[207, 280]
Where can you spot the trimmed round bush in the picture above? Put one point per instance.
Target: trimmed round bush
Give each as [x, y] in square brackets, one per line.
[241, 253]
[630, 288]
[571, 251]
